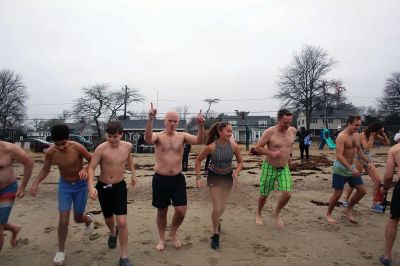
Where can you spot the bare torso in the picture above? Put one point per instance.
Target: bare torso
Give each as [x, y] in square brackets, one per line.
[69, 161]
[113, 161]
[351, 141]
[169, 151]
[7, 175]
[280, 141]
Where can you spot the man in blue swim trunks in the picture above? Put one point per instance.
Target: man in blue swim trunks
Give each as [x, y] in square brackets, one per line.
[344, 170]
[72, 187]
[9, 187]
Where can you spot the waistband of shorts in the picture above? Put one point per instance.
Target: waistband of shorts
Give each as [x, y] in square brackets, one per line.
[73, 183]
[267, 164]
[11, 187]
[169, 176]
[105, 185]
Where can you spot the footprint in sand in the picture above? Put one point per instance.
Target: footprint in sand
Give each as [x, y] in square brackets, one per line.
[94, 236]
[212, 261]
[204, 239]
[188, 238]
[146, 242]
[365, 255]
[264, 251]
[49, 229]
[22, 241]
[187, 245]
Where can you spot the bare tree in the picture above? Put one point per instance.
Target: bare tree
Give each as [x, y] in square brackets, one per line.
[210, 101]
[302, 82]
[12, 99]
[183, 111]
[93, 104]
[389, 104]
[121, 98]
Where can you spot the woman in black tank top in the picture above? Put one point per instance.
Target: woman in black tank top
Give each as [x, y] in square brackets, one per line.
[220, 172]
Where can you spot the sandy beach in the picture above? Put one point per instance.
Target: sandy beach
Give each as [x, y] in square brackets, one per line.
[307, 238]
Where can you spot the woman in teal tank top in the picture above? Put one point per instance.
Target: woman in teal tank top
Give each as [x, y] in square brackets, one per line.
[220, 172]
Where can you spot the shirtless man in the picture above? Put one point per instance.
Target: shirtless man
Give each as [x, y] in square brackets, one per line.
[72, 187]
[9, 187]
[113, 155]
[344, 170]
[168, 182]
[393, 160]
[276, 144]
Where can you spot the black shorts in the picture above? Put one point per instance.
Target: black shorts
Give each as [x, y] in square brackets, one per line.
[167, 189]
[219, 180]
[395, 203]
[112, 198]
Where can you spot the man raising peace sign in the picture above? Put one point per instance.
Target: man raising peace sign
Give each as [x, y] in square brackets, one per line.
[169, 183]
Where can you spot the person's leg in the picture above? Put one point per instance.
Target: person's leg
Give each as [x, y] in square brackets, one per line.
[360, 192]
[267, 183]
[337, 193]
[301, 147]
[63, 230]
[216, 199]
[110, 222]
[14, 230]
[307, 149]
[123, 235]
[1, 236]
[348, 193]
[285, 186]
[390, 236]
[177, 219]
[376, 178]
[161, 225]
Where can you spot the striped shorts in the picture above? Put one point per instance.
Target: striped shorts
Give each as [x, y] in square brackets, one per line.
[7, 198]
[270, 174]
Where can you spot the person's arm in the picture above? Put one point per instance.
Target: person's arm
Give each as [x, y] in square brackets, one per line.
[43, 173]
[382, 137]
[149, 136]
[389, 170]
[262, 142]
[19, 155]
[366, 161]
[367, 143]
[83, 173]
[197, 165]
[91, 168]
[131, 167]
[239, 161]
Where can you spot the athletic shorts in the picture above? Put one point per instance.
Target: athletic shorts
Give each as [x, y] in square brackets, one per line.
[270, 174]
[167, 189]
[395, 203]
[72, 192]
[7, 198]
[342, 175]
[112, 198]
[219, 180]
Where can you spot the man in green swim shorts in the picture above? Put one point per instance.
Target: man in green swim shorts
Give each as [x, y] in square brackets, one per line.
[276, 145]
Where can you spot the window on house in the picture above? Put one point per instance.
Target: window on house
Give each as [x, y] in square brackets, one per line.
[313, 121]
[262, 123]
[233, 122]
[343, 121]
[302, 121]
[330, 121]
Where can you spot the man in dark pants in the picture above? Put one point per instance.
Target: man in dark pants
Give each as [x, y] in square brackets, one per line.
[185, 158]
[301, 135]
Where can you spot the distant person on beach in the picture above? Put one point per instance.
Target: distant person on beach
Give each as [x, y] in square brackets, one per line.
[393, 161]
[276, 145]
[303, 145]
[344, 169]
[9, 189]
[374, 132]
[113, 156]
[221, 175]
[185, 157]
[169, 183]
[72, 186]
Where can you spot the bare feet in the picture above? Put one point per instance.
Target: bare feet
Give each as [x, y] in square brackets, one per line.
[259, 220]
[350, 216]
[278, 220]
[330, 219]
[176, 241]
[160, 246]
[15, 232]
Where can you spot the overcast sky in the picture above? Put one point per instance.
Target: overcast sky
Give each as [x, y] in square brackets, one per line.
[191, 50]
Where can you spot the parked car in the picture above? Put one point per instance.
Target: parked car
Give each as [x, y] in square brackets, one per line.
[38, 145]
[77, 138]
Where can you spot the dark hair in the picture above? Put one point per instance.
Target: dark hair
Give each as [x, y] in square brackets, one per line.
[283, 112]
[373, 127]
[59, 132]
[352, 118]
[215, 128]
[114, 126]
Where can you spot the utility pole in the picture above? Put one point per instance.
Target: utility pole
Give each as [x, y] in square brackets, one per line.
[326, 104]
[125, 100]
